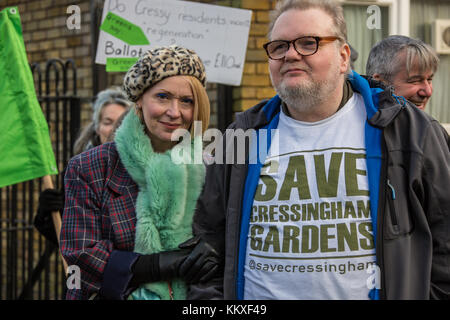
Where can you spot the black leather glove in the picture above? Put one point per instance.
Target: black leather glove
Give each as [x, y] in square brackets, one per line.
[160, 266]
[203, 262]
[169, 263]
[49, 200]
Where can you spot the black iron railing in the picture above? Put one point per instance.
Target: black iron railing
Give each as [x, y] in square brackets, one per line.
[30, 266]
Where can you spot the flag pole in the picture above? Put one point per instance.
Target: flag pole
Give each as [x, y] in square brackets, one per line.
[56, 217]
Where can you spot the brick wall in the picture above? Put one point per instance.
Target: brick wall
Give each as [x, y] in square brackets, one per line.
[255, 80]
[46, 36]
[255, 84]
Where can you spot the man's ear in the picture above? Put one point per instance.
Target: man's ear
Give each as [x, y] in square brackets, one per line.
[345, 55]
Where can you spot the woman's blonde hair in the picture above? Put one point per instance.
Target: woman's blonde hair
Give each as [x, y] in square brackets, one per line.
[202, 108]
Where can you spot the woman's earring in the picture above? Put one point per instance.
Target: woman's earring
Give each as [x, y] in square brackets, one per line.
[139, 112]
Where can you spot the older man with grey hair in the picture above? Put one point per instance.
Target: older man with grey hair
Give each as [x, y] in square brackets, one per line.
[407, 64]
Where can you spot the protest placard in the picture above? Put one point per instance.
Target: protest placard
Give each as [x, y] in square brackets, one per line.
[218, 34]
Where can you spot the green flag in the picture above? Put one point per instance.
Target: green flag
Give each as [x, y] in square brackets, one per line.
[25, 148]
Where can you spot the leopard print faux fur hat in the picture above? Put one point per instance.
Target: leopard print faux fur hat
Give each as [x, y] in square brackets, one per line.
[158, 64]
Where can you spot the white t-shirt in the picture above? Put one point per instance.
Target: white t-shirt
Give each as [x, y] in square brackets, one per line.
[310, 234]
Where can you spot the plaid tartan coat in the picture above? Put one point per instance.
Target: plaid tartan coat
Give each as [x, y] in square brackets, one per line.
[98, 224]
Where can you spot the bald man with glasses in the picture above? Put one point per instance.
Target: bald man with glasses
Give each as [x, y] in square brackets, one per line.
[347, 197]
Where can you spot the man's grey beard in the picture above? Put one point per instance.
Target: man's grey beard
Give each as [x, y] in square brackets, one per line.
[303, 98]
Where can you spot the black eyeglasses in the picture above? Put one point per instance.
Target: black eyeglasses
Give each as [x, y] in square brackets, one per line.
[305, 46]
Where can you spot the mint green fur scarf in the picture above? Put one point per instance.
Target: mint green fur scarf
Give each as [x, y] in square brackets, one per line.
[165, 203]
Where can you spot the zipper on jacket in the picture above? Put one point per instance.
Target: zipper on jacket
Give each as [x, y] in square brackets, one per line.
[237, 232]
[391, 200]
[238, 229]
[380, 219]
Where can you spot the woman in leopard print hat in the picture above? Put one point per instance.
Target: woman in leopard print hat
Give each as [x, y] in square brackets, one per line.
[125, 233]
[158, 64]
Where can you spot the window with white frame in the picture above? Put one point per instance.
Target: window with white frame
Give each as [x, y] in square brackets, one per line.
[370, 21]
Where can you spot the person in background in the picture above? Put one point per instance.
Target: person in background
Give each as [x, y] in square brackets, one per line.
[116, 126]
[406, 64]
[127, 221]
[108, 106]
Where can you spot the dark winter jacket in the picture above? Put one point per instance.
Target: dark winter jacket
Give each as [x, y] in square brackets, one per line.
[408, 164]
